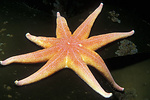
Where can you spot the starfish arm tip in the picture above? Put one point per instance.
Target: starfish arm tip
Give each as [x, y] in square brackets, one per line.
[101, 4]
[1, 62]
[27, 34]
[108, 95]
[58, 14]
[122, 89]
[132, 32]
[17, 83]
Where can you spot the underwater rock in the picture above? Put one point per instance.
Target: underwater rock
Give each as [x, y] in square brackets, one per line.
[9, 96]
[7, 87]
[126, 48]
[9, 35]
[1, 46]
[114, 16]
[5, 22]
[2, 30]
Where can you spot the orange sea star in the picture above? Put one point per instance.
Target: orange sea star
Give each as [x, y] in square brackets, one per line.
[72, 51]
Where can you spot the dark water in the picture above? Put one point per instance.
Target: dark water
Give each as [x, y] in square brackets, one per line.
[135, 79]
[131, 72]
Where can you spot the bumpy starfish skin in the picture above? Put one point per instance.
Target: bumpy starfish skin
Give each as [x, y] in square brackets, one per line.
[72, 51]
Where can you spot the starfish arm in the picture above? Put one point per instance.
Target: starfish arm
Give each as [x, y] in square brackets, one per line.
[83, 31]
[44, 42]
[56, 63]
[33, 57]
[92, 58]
[81, 69]
[62, 29]
[96, 42]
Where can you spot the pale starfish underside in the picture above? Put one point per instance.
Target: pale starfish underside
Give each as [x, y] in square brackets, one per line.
[72, 51]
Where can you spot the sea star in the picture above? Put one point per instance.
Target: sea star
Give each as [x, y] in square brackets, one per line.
[72, 51]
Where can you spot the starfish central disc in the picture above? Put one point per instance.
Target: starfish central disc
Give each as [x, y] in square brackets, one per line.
[69, 42]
